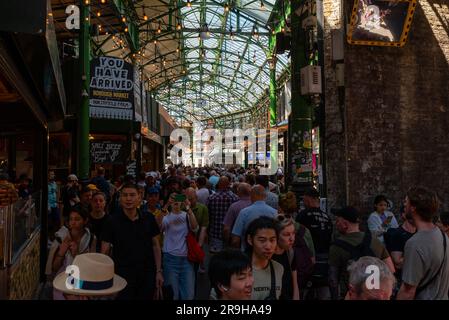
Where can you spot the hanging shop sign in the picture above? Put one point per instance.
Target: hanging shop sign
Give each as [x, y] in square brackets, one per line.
[106, 151]
[111, 89]
[381, 22]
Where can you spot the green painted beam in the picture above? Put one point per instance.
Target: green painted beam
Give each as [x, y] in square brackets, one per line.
[187, 50]
[259, 84]
[273, 102]
[218, 57]
[133, 29]
[194, 90]
[101, 44]
[174, 78]
[240, 96]
[240, 63]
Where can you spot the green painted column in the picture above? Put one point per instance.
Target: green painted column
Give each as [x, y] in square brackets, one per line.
[272, 45]
[299, 157]
[83, 114]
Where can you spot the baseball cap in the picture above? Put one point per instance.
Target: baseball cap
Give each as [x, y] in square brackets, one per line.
[152, 190]
[348, 213]
[72, 177]
[312, 192]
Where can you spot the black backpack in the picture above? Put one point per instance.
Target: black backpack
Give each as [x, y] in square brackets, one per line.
[361, 250]
[303, 258]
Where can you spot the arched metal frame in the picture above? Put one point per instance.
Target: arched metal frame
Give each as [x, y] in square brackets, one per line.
[248, 80]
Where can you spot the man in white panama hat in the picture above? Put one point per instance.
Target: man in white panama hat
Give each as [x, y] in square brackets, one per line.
[90, 276]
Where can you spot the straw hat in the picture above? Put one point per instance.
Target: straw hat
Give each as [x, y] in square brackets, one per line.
[96, 277]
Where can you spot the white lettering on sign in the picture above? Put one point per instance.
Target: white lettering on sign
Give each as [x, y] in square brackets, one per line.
[73, 20]
[110, 75]
[103, 152]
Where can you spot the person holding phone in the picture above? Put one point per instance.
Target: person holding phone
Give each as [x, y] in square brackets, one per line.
[175, 223]
[381, 220]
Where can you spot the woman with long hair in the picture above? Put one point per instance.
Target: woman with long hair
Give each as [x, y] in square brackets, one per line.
[178, 270]
[284, 254]
[69, 242]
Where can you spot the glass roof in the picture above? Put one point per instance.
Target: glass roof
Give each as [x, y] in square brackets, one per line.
[208, 59]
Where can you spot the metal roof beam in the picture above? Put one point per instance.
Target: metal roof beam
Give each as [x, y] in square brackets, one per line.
[240, 96]
[191, 73]
[209, 49]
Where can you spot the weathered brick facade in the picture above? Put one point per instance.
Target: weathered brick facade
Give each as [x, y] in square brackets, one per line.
[397, 113]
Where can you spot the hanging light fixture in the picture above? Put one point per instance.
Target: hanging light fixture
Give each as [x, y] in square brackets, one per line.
[189, 4]
[226, 7]
[98, 13]
[178, 26]
[231, 33]
[159, 28]
[262, 6]
[155, 41]
[124, 19]
[205, 33]
[145, 17]
[177, 49]
[255, 33]
[126, 29]
[103, 1]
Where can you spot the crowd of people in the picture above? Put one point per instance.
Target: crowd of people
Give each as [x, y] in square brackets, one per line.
[258, 242]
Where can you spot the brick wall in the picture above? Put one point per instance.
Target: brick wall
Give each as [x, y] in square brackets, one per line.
[334, 137]
[397, 112]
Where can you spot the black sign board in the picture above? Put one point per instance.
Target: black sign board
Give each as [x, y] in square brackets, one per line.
[111, 89]
[106, 151]
[131, 168]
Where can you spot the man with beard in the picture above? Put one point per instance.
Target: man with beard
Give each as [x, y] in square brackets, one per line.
[425, 271]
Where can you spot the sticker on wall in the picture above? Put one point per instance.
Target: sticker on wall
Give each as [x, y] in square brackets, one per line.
[381, 22]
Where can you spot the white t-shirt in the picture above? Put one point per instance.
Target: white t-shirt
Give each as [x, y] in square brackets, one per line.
[375, 224]
[174, 226]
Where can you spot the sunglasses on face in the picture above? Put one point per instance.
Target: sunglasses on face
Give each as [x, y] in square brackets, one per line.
[284, 217]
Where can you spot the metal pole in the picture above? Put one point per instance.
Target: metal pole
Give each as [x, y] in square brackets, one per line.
[83, 117]
[272, 44]
[300, 121]
[322, 112]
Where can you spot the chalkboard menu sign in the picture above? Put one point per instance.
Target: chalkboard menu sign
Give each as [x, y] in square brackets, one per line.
[106, 151]
[131, 168]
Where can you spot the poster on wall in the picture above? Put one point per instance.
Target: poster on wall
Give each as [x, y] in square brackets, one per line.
[381, 22]
[106, 151]
[111, 89]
